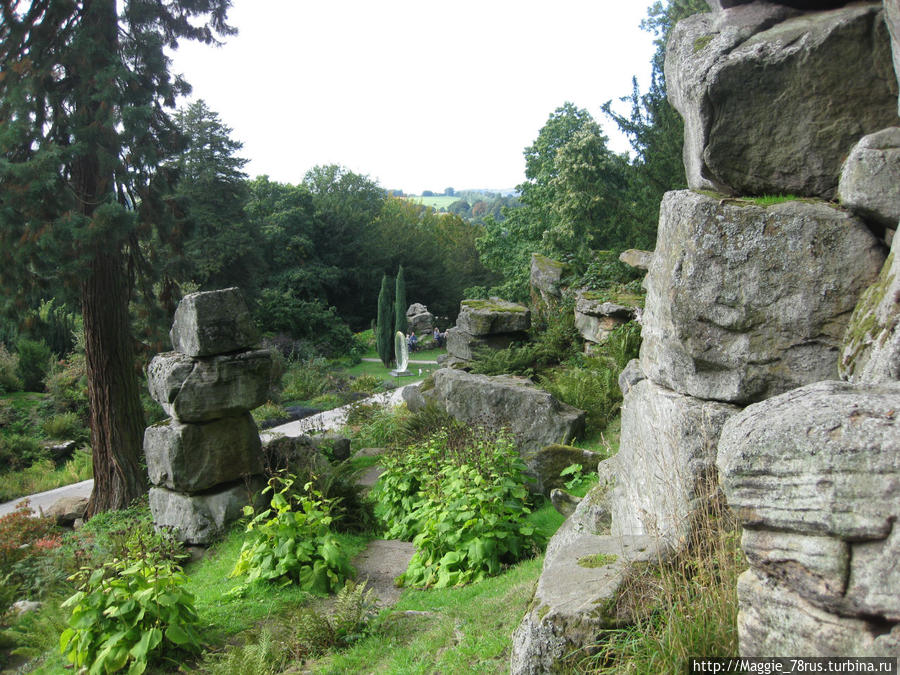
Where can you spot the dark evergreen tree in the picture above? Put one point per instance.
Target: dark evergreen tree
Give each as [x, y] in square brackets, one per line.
[384, 324]
[222, 246]
[400, 322]
[84, 87]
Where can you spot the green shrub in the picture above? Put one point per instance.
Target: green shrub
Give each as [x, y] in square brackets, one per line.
[130, 612]
[19, 530]
[66, 426]
[462, 494]
[9, 371]
[264, 655]
[34, 362]
[291, 542]
[18, 452]
[366, 384]
[351, 620]
[269, 411]
[66, 382]
[305, 380]
[327, 401]
[376, 426]
[592, 384]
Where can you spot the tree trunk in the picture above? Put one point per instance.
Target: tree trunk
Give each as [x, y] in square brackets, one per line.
[117, 418]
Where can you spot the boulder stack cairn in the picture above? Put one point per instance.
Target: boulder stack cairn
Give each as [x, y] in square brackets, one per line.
[492, 323]
[205, 461]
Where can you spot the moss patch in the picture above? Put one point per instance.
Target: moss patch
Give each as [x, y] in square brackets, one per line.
[597, 560]
[864, 325]
[494, 306]
[702, 42]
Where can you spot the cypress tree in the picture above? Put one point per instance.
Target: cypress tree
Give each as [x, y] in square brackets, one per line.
[384, 334]
[400, 322]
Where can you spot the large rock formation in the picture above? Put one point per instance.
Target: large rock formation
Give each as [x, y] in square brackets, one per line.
[492, 324]
[546, 279]
[892, 18]
[870, 178]
[203, 389]
[596, 317]
[813, 475]
[212, 323]
[533, 415]
[419, 319]
[773, 100]
[746, 301]
[871, 350]
[205, 463]
[665, 461]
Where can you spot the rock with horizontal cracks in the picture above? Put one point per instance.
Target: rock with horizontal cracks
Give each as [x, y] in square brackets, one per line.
[774, 99]
[202, 517]
[196, 457]
[870, 178]
[212, 322]
[747, 301]
[203, 389]
[534, 416]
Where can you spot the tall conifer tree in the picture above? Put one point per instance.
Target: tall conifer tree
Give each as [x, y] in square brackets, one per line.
[84, 88]
[384, 334]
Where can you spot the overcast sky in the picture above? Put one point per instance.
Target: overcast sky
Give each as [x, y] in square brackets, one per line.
[419, 95]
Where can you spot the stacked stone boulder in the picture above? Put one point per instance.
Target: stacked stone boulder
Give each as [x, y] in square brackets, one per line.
[596, 317]
[491, 324]
[205, 461]
[419, 319]
[748, 300]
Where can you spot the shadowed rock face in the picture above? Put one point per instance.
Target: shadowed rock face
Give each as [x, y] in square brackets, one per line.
[871, 349]
[773, 99]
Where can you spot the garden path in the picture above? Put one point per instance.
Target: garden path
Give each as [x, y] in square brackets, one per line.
[324, 421]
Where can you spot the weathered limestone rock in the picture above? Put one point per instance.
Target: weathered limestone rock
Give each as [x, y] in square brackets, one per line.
[892, 19]
[871, 349]
[489, 317]
[813, 475]
[666, 460]
[298, 455]
[596, 318]
[579, 594]
[419, 319]
[535, 417]
[827, 74]
[66, 510]
[631, 374]
[745, 301]
[212, 322]
[463, 345]
[563, 502]
[636, 258]
[776, 620]
[546, 278]
[820, 460]
[200, 518]
[196, 457]
[204, 389]
[870, 178]
[547, 463]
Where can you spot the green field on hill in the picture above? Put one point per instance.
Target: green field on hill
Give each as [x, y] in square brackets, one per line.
[437, 202]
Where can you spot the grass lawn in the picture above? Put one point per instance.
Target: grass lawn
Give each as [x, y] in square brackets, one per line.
[378, 370]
